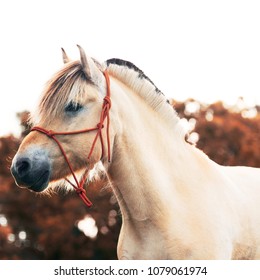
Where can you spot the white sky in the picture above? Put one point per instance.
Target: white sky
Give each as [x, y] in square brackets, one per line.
[207, 50]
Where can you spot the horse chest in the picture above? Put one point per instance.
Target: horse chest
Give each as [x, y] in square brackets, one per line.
[141, 240]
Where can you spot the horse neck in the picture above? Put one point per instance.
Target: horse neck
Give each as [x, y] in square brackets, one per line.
[147, 153]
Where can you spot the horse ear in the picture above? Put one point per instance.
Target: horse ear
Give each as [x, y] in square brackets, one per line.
[90, 69]
[64, 56]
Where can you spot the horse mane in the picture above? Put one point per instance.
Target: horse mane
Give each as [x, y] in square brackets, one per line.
[132, 76]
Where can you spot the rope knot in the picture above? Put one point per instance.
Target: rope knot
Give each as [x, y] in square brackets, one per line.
[107, 101]
[50, 133]
[100, 126]
[80, 191]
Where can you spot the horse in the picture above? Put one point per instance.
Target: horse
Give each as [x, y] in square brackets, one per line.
[176, 203]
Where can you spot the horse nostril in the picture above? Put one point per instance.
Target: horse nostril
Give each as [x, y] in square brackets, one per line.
[23, 166]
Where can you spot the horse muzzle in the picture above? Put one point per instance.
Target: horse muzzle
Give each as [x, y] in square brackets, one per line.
[32, 171]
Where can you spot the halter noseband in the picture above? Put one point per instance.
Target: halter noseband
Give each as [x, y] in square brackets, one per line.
[79, 187]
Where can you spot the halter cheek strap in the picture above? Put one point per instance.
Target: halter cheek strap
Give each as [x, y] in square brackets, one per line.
[104, 116]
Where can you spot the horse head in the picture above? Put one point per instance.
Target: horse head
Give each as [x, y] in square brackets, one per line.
[70, 113]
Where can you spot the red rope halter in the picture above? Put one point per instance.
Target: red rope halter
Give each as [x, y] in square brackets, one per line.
[79, 186]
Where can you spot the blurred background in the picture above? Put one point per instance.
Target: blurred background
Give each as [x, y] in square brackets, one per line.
[203, 55]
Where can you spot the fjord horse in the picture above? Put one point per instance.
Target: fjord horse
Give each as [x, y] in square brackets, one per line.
[176, 203]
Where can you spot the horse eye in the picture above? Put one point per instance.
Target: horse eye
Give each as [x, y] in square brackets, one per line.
[73, 107]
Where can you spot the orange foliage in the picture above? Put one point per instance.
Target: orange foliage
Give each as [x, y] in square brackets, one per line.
[225, 135]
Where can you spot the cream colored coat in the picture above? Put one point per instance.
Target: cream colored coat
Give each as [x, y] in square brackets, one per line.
[176, 203]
